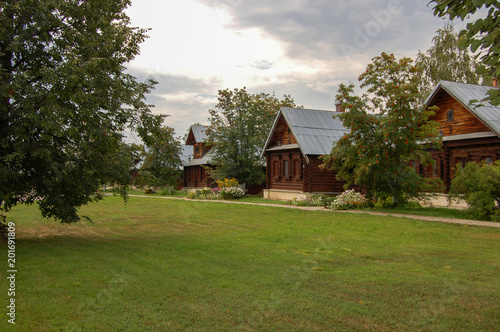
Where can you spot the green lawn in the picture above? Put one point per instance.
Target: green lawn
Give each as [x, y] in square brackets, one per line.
[177, 265]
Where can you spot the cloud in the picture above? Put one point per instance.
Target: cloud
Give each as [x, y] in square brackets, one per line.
[305, 48]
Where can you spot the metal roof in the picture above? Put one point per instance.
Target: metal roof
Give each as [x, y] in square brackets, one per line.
[314, 130]
[205, 160]
[186, 153]
[464, 93]
[199, 133]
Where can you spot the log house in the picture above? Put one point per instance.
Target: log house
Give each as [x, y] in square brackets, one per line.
[471, 132]
[195, 175]
[297, 140]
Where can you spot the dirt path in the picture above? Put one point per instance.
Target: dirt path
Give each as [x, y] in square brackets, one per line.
[320, 208]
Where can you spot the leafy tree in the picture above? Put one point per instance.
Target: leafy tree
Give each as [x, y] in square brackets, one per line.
[445, 61]
[65, 99]
[378, 151]
[119, 165]
[482, 35]
[239, 125]
[479, 185]
[162, 160]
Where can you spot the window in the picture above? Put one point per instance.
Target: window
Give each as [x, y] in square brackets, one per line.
[450, 116]
[276, 167]
[296, 168]
[488, 160]
[434, 169]
[286, 168]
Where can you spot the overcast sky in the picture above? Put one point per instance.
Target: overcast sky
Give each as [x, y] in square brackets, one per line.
[304, 48]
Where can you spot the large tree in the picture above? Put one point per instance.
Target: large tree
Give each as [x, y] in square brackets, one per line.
[65, 99]
[444, 60]
[388, 132]
[162, 161]
[239, 125]
[481, 36]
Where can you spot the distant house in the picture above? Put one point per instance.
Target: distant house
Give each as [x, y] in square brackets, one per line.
[470, 132]
[195, 175]
[296, 141]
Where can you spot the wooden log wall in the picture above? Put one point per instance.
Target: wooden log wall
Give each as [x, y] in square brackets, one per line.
[322, 180]
[282, 134]
[464, 122]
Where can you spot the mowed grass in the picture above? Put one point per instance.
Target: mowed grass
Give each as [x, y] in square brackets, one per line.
[175, 265]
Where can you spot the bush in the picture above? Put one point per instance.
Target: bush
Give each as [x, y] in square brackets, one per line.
[349, 199]
[231, 192]
[206, 192]
[191, 195]
[227, 183]
[479, 185]
[170, 190]
[386, 203]
[314, 200]
[149, 191]
[328, 200]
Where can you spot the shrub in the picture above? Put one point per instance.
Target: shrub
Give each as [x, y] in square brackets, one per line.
[328, 200]
[206, 192]
[149, 191]
[170, 190]
[479, 185]
[227, 183]
[314, 200]
[349, 199]
[231, 192]
[191, 195]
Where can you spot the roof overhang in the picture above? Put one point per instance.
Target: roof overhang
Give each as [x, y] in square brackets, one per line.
[469, 136]
[284, 147]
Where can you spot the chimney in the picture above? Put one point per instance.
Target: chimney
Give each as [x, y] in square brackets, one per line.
[495, 82]
[339, 108]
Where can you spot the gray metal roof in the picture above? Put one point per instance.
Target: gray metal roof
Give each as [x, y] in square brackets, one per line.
[186, 153]
[314, 130]
[464, 93]
[199, 133]
[205, 160]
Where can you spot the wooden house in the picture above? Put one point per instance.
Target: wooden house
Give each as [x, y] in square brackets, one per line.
[471, 132]
[195, 175]
[297, 139]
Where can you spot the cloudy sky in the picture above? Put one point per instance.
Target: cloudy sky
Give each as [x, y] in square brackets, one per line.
[304, 48]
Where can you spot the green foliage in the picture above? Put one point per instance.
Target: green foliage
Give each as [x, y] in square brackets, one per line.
[239, 125]
[162, 159]
[169, 190]
[206, 192]
[445, 61]
[65, 100]
[149, 191]
[479, 185]
[378, 150]
[480, 36]
[192, 195]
